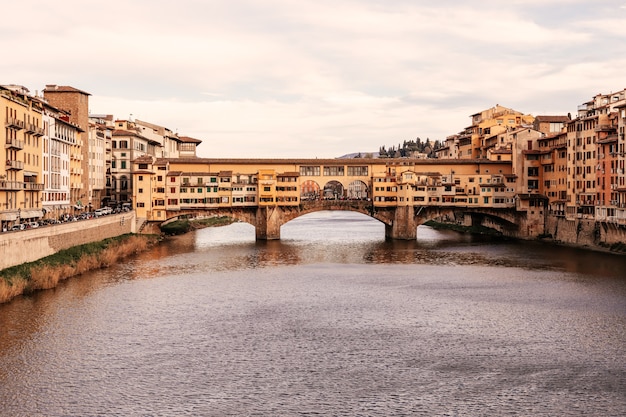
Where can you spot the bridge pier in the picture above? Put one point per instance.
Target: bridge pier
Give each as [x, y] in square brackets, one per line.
[404, 224]
[268, 222]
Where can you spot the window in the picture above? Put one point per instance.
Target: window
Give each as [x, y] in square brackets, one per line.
[334, 171]
[143, 166]
[358, 171]
[141, 178]
[310, 170]
[140, 190]
[123, 165]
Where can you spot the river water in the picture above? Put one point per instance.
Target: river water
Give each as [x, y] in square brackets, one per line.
[332, 320]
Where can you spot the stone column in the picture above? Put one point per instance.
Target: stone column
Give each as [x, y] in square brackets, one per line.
[404, 226]
[268, 222]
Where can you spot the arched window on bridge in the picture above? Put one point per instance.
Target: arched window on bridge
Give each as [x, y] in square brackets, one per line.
[357, 190]
[333, 190]
[309, 190]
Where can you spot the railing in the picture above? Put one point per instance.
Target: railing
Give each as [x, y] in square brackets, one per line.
[11, 185]
[14, 123]
[33, 186]
[14, 143]
[15, 165]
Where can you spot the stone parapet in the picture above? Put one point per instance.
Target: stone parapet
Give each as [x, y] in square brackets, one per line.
[33, 244]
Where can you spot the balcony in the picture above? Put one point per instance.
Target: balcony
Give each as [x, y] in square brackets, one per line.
[14, 144]
[14, 165]
[14, 123]
[33, 186]
[38, 131]
[11, 185]
[604, 128]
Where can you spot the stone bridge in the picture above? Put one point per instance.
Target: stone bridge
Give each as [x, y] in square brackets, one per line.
[400, 222]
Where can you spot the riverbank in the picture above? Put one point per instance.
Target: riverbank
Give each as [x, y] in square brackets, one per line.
[47, 272]
[477, 230]
[182, 226]
[616, 248]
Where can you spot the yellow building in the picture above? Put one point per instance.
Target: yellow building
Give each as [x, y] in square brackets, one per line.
[21, 163]
[481, 136]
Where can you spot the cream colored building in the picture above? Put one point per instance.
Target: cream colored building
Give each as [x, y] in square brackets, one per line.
[62, 163]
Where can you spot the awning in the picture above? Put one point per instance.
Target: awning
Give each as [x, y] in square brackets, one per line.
[31, 214]
[8, 216]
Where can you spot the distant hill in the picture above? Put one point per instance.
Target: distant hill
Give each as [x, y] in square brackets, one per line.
[359, 155]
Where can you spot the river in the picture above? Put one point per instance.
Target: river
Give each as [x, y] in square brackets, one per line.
[332, 320]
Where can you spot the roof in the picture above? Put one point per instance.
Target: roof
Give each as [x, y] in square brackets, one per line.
[187, 139]
[552, 119]
[53, 88]
[147, 159]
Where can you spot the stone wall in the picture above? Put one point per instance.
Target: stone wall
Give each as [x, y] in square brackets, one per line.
[584, 233]
[29, 245]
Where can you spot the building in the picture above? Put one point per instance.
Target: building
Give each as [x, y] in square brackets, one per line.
[62, 169]
[21, 182]
[481, 137]
[75, 103]
[593, 148]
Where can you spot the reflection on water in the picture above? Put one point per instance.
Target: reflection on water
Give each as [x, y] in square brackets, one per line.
[331, 320]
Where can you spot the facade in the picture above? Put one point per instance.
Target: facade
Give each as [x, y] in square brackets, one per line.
[132, 140]
[178, 185]
[76, 103]
[479, 139]
[100, 134]
[593, 148]
[21, 182]
[62, 164]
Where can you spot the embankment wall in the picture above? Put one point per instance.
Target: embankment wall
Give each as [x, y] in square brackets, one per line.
[29, 245]
[585, 233]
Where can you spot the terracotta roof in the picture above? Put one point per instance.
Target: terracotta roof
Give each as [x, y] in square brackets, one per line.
[187, 139]
[144, 159]
[554, 119]
[53, 88]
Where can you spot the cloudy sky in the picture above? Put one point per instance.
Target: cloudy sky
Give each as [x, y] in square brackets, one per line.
[316, 78]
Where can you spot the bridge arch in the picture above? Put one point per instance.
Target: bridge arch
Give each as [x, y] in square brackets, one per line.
[310, 190]
[358, 190]
[333, 190]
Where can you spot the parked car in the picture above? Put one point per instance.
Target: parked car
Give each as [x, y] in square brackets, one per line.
[18, 227]
[32, 225]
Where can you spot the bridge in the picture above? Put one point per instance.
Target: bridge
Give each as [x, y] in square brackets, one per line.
[400, 193]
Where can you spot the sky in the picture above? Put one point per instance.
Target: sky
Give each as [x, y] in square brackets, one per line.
[316, 78]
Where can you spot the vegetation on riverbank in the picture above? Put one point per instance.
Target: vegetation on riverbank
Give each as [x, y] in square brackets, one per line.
[182, 226]
[478, 230]
[47, 272]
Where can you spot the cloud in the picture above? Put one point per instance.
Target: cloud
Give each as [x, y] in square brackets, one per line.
[323, 78]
